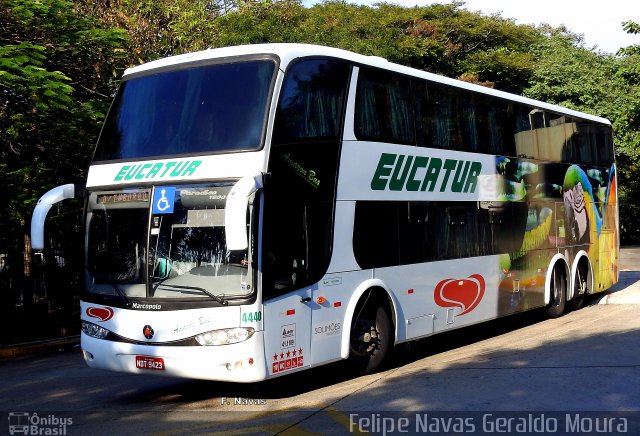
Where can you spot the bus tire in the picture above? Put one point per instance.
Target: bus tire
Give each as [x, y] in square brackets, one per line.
[558, 293]
[370, 339]
[576, 302]
[581, 288]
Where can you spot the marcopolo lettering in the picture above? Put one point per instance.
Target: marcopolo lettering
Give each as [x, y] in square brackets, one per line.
[157, 170]
[398, 172]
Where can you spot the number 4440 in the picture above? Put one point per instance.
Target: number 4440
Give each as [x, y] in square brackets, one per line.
[251, 316]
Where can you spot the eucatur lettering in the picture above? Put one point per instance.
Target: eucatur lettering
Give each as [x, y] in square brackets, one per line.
[157, 170]
[399, 172]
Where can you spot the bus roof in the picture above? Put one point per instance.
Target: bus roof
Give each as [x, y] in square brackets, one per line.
[288, 52]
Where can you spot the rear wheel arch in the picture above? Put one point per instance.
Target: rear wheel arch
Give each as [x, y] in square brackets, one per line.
[581, 280]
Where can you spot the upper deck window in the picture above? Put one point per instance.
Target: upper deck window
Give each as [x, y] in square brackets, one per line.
[383, 107]
[205, 109]
[312, 101]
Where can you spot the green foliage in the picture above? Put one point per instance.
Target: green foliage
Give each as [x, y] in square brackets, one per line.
[254, 22]
[160, 28]
[491, 47]
[440, 38]
[57, 71]
[22, 74]
[572, 76]
[510, 70]
[569, 75]
[627, 126]
[633, 28]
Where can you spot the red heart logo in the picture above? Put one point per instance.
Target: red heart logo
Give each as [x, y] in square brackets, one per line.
[102, 313]
[465, 293]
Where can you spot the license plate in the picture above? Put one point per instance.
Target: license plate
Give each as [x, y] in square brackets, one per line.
[146, 362]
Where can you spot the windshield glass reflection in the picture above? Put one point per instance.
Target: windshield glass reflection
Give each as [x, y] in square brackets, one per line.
[164, 243]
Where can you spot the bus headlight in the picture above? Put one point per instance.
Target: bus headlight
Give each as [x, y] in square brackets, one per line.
[225, 336]
[95, 331]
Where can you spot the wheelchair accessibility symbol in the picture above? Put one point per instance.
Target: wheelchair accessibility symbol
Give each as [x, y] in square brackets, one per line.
[163, 199]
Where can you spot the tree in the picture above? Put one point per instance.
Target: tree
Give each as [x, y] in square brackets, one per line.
[160, 28]
[254, 22]
[631, 28]
[627, 127]
[570, 75]
[57, 72]
[445, 39]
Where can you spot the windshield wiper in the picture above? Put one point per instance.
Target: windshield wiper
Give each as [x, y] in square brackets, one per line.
[121, 294]
[185, 290]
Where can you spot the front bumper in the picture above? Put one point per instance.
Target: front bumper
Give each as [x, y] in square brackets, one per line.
[243, 362]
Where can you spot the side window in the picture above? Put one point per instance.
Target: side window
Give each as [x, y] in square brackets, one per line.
[401, 233]
[558, 137]
[499, 120]
[586, 147]
[375, 234]
[437, 116]
[524, 135]
[585, 142]
[557, 140]
[463, 236]
[502, 226]
[311, 104]
[383, 108]
[473, 122]
[604, 145]
[424, 232]
[455, 119]
[594, 144]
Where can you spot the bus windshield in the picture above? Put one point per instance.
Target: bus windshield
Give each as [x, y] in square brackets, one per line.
[166, 242]
[204, 109]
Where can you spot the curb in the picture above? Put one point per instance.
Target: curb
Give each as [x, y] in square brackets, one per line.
[626, 291]
[31, 348]
[621, 298]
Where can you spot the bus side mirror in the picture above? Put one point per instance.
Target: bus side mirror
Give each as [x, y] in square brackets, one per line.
[235, 213]
[52, 197]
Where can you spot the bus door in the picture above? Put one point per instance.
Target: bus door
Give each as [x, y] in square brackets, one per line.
[329, 305]
[287, 334]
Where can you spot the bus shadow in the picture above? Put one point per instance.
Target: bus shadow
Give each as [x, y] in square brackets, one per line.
[584, 371]
[313, 379]
[303, 382]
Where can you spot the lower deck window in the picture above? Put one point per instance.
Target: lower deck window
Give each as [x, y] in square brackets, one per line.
[401, 233]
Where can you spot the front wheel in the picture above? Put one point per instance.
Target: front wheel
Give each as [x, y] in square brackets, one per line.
[370, 339]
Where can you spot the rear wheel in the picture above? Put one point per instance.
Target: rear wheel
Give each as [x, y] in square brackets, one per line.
[370, 339]
[558, 293]
[581, 288]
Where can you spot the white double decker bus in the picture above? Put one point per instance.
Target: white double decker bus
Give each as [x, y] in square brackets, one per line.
[258, 210]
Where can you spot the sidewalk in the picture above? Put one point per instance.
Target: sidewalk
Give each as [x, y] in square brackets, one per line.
[30, 348]
[627, 290]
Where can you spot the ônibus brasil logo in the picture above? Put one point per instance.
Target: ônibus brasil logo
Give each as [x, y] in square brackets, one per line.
[102, 313]
[463, 293]
[29, 423]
